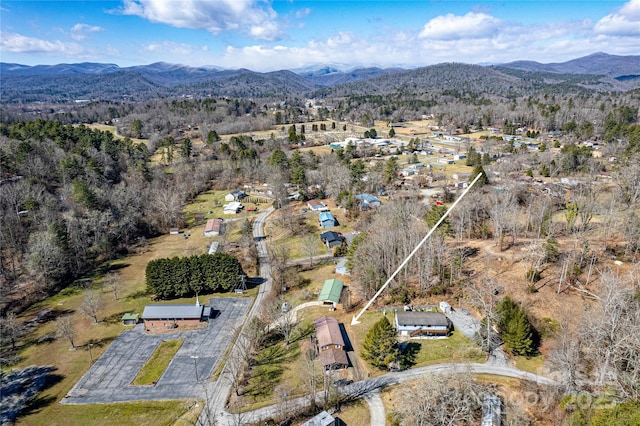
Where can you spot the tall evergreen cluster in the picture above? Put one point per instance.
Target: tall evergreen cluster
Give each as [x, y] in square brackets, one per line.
[185, 276]
[515, 329]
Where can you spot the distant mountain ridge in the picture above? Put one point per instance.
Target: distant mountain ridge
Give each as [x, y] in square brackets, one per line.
[97, 81]
[598, 63]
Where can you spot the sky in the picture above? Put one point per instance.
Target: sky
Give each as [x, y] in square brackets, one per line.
[266, 35]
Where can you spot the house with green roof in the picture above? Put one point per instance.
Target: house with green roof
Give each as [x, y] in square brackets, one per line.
[331, 291]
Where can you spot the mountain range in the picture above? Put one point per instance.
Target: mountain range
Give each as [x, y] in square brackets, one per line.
[67, 82]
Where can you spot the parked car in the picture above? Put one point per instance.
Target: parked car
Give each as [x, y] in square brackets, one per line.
[342, 382]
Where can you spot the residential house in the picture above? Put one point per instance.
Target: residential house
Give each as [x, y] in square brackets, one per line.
[213, 227]
[331, 292]
[368, 201]
[235, 195]
[331, 346]
[422, 324]
[232, 208]
[158, 318]
[331, 239]
[317, 206]
[327, 220]
[408, 172]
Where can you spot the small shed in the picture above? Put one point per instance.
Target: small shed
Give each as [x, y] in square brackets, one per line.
[331, 291]
[445, 307]
[130, 319]
[213, 248]
[422, 324]
[174, 231]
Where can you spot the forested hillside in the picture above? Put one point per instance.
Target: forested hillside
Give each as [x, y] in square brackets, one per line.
[72, 197]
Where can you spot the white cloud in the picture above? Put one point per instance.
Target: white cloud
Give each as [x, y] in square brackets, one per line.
[452, 27]
[170, 47]
[625, 22]
[251, 17]
[303, 13]
[18, 43]
[82, 31]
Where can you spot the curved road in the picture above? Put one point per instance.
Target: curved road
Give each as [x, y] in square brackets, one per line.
[216, 393]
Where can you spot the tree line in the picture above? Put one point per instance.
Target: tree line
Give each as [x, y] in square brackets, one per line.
[187, 276]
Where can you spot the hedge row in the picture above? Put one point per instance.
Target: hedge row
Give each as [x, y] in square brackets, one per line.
[185, 276]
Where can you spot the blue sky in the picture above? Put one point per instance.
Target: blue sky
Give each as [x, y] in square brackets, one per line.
[272, 35]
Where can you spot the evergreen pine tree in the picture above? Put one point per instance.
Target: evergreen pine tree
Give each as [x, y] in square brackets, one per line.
[380, 347]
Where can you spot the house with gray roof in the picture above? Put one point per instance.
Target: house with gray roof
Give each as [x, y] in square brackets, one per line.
[159, 318]
[422, 324]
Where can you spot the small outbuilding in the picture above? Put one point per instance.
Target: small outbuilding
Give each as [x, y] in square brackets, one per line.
[331, 292]
[422, 324]
[445, 307]
[130, 319]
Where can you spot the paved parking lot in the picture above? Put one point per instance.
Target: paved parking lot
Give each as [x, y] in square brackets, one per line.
[110, 377]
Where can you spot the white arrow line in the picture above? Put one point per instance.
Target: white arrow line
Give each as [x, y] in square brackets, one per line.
[355, 321]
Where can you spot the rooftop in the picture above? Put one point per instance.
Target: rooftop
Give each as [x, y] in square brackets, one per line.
[331, 291]
[421, 318]
[328, 332]
[191, 311]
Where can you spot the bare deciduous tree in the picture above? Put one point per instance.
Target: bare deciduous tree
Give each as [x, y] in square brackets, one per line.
[442, 400]
[91, 304]
[114, 282]
[64, 328]
[310, 244]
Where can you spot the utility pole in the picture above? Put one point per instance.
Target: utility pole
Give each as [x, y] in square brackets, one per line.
[195, 363]
[90, 354]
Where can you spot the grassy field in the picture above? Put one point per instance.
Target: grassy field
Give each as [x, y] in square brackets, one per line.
[457, 348]
[152, 370]
[355, 414]
[41, 347]
[145, 413]
[532, 364]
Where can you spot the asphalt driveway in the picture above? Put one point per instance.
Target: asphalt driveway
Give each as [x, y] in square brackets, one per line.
[110, 377]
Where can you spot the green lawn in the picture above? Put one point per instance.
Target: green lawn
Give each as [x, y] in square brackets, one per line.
[128, 413]
[531, 364]
[152, 370]
[457, 348]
